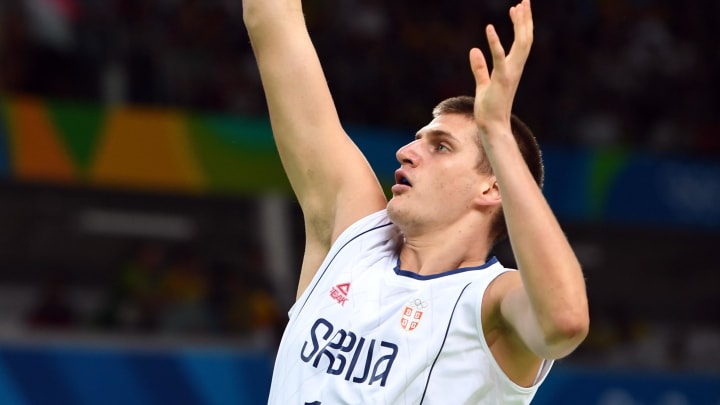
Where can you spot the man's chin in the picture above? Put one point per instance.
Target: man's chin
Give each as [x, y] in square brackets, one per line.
[394, 210]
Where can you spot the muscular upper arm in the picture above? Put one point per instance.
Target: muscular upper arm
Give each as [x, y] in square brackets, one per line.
[512, 333]
[331, 178]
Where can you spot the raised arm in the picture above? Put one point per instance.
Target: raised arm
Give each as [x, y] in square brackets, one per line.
[332, 180]
[546, 305]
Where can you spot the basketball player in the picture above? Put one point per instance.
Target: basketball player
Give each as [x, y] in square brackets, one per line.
[398, 302]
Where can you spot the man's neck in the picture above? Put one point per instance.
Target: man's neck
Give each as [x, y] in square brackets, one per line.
[441, 251]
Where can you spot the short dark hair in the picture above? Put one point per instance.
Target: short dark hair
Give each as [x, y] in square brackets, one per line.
[528, 145]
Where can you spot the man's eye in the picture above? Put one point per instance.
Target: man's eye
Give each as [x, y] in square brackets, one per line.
[441, 148]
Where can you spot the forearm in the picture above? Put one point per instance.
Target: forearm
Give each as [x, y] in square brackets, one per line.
[297, 94]
[551, 274]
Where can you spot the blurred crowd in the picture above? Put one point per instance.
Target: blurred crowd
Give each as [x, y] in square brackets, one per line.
[603, 73]
[166, 290]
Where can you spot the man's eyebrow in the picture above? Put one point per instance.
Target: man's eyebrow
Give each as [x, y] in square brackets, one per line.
[434, 133]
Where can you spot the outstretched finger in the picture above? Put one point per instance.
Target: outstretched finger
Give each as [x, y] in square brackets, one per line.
[479, 67]
[521, 16]
[496, 49]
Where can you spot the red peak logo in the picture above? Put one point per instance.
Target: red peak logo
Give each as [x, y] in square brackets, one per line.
[340, 293]
[344, 288]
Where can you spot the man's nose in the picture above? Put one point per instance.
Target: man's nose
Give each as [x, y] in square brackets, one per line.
[407, 155]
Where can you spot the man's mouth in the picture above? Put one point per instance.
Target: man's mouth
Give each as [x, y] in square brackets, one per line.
[400, 178]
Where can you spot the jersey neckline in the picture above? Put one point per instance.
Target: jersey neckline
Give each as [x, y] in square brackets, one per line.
[406, 273]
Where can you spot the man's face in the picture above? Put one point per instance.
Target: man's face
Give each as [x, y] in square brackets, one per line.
[438, 180]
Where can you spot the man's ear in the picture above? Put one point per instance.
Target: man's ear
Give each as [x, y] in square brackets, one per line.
[489, 193]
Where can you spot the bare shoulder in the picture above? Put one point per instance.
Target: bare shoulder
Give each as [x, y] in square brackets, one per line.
[492, 300]
[511, 353]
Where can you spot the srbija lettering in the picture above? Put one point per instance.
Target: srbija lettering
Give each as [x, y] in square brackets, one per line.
[343, 353]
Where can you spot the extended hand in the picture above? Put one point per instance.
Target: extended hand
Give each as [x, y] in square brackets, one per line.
[494, 93]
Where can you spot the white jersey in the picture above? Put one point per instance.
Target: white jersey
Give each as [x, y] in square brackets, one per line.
[367, 332]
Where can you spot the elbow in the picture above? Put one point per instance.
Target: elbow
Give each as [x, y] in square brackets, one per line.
[255, 12]
[252, 15]
[258, 14]
[576, 329]
[567, 332]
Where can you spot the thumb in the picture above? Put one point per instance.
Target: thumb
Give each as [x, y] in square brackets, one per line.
[479, 67]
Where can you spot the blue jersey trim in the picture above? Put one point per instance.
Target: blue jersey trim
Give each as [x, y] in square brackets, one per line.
[322, 274]
[406, 273]
[447, 331]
